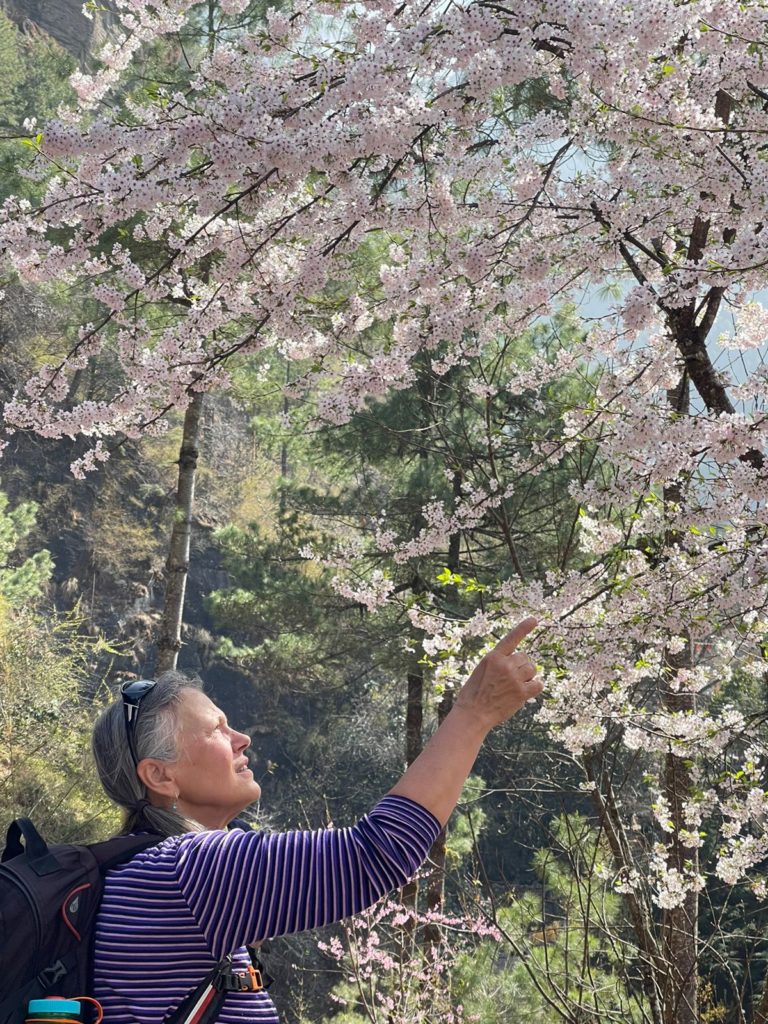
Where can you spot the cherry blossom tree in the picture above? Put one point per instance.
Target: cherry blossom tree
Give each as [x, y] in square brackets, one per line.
[217, 220]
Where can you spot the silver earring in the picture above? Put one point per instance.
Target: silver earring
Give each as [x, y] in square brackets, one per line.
[174, 805]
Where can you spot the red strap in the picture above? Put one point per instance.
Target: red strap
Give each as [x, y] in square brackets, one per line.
[65, 907]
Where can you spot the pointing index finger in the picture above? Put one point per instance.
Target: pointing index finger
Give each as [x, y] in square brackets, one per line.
[509, 643]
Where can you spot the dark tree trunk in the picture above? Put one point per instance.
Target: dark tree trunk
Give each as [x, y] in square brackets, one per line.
[177, 565]
[680, 933]
[435, 884]
[414, 715]
[680, 924]
[414, 718]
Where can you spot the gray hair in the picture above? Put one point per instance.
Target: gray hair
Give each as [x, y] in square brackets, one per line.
[155, 735]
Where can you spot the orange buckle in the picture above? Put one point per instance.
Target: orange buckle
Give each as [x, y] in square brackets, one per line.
[251, 980]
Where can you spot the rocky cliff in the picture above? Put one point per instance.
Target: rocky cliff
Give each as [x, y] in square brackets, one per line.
[64, 21]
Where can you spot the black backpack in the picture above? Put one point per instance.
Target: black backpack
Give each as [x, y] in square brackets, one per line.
[49, 897]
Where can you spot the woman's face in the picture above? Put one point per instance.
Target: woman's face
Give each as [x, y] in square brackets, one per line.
[211, 772]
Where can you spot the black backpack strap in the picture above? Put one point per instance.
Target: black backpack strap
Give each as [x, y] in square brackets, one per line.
[119, 849]
[241, 824]
[202, 1004]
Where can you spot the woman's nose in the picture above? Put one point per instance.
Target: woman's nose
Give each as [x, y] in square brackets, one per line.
[240, 741]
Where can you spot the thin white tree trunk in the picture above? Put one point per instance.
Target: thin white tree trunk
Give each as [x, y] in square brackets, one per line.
[177, 565]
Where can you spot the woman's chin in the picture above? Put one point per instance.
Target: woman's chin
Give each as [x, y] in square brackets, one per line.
[254, 790]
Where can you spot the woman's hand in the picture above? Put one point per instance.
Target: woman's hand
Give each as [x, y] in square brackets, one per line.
[503, 681]
[498, 687]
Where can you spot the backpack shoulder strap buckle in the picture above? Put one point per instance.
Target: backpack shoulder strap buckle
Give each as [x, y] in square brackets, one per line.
[249, 980]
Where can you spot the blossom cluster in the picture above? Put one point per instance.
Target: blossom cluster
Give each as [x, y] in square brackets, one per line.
[395, 977]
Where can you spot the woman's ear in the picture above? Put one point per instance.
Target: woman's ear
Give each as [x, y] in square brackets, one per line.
[158, 776]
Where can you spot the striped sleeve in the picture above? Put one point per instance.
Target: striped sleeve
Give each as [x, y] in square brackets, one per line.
[243, 887]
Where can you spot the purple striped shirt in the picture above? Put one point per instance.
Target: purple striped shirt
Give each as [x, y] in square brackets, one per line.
[171, 912]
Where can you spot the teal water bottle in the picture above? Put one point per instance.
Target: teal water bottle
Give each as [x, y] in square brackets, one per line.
[53, 1010]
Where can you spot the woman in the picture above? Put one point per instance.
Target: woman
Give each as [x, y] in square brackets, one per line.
[168, 757]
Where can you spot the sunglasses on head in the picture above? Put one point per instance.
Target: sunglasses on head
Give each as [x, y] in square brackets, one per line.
[133, 694]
